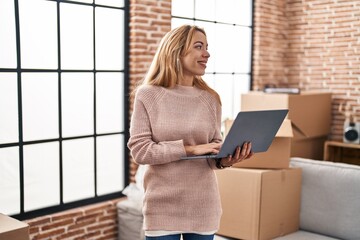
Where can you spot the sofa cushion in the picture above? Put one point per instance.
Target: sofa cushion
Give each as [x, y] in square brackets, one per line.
[330, 198]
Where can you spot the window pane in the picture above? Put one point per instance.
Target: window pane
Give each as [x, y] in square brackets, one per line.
[225, 11]
[205, 9]
[224, 56]
[245, 7]
[182, 8]
[110, 164]
[241, 54]
[210, 79]
[224, 83]
[78, 169]
[229, 87]
[241, 85]
[177, 22]
[234, 12]
[7, 33]
[76, 23]
[109, 39]
[113, 3]
[38, 31]
[10, 181]
[8, 108]
[40, 105]
[41, 175]
[109, 102]
[82, 1]
[77, 104]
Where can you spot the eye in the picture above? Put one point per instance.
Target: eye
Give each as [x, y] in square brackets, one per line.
[198, 46]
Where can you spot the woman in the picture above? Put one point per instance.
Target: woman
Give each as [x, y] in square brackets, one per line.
[176, 114]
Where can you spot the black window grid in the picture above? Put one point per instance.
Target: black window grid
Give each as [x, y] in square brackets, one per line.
[21, 143]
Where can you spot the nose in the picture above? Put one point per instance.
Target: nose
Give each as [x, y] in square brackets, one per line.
[206, 54]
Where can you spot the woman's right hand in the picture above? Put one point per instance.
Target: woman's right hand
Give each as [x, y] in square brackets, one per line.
[210, 148]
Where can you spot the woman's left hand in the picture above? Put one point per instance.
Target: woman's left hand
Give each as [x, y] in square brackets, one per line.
[241, 153]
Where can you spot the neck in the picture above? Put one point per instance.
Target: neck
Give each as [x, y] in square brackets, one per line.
[187, 81]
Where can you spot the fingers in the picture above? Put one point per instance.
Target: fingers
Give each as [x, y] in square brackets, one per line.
[241, 153]
[244, 152]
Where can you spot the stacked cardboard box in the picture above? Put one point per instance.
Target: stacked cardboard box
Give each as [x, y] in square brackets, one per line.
[261, 196]
[278, 154]
[259, 204]
[310, 115]
[12, 229]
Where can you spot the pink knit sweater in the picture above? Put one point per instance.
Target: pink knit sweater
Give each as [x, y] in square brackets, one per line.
[180, 195]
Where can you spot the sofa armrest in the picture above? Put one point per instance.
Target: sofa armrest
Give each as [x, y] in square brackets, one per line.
[330, 198]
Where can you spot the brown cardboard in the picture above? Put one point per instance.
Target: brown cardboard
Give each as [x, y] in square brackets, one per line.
[259, 204]
[12, 229]
[309, 112]
[314, 147]
[278, 154]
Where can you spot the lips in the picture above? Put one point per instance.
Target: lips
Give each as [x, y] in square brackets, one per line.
[203, 63]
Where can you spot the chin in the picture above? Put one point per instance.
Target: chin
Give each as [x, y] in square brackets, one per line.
[200, 73]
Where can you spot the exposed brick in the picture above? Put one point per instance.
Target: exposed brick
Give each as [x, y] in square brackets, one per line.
[39, 221]
[87, 236]
[71, 234]
[109, 236]
[57, 224]
[33, 230]
[49, 234]
[319, 48]
[67, 214]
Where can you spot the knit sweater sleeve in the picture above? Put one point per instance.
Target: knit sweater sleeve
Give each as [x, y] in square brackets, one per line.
[142, 147]
[217, 134]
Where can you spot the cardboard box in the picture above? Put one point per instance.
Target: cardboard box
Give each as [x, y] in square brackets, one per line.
[259, 204]
[309, 112]
[12, 229]
[314, 147]
[278, 154]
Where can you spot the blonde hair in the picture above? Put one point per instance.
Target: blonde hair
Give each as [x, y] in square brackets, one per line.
[166, 69]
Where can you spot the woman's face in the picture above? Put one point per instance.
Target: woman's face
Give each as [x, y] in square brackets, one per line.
[195, 60]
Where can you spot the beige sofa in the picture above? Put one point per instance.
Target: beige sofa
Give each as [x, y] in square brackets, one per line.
[330, 201]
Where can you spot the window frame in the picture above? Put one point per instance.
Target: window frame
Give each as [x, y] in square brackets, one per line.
[21, 143]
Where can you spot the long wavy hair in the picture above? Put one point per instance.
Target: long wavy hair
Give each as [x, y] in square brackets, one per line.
[166, 68]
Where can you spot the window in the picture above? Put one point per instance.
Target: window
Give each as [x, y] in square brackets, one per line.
[228, 25]
[63, 104]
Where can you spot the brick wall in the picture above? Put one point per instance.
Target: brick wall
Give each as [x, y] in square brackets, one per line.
[270, 43]
[95, 222]
[311, 44]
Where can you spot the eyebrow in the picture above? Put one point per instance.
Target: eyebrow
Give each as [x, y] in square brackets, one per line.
[201, 43]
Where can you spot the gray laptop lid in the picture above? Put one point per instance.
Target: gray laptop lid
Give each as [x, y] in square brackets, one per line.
[257, 127]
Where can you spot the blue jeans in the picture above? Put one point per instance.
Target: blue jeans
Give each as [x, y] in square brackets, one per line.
[186, 236]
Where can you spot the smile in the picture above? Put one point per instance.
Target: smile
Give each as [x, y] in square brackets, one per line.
[202, 63]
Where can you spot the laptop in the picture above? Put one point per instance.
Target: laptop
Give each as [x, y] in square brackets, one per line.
[257, 127]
